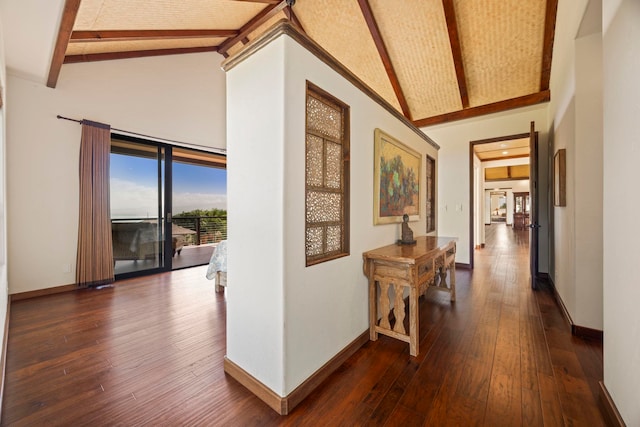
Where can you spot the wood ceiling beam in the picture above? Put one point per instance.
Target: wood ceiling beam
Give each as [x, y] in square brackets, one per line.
[64, 34]
[498, 153]
[547, 48]
[384, 56]
[505, 138]
[291, 16]
[93, 57]
[456, 50]
[261, 1]
[498, 148]
[489, 159]
[267, 13]
[508, 104]
[133, 35]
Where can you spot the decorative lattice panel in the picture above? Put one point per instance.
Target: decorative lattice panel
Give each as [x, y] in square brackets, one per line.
[326, 176]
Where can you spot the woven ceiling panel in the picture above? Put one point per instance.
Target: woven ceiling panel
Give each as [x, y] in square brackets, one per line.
[339, 27]
[164, 14]
[235, 49]
[264, 27]
[256, 33]
[417, 40]
[128, 46]
[501, 42]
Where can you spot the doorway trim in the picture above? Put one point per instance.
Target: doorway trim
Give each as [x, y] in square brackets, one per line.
[472, 145]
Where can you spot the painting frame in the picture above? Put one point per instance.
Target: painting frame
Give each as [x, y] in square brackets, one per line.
[559, 178]
[391, 154]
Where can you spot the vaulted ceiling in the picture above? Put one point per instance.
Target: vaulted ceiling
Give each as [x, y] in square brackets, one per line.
[432, 60]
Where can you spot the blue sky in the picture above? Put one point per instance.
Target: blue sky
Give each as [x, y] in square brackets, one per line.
[199, 178]
[134, 187]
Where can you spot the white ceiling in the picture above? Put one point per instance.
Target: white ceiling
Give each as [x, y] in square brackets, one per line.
[29, 29]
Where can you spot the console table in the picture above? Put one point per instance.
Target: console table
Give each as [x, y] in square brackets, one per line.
[417, 267]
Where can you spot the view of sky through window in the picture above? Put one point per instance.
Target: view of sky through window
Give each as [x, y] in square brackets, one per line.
[134, 187]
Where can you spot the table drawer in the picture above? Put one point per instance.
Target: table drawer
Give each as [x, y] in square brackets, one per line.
[425, 269]
[391, 271]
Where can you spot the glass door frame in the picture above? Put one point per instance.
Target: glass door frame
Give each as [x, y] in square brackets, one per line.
[166, 156]
[164, 214]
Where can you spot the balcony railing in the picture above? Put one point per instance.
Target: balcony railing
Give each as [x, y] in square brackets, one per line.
[140, 239]
[191, 230]
[199, 230]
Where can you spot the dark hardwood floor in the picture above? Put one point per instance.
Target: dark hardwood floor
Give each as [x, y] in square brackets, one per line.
[149, 352]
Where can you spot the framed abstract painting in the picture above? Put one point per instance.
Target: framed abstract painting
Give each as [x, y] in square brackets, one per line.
[397, 178]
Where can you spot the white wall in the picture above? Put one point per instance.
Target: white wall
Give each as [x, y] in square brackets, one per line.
[3, 190]
[621, 59]
[255, 197]
[316, 310]
[577, 127]
[175, 97]
[588, 182]
[487, 211]
[453, 171]
[479, 209]
[31, 29]
[563, 274]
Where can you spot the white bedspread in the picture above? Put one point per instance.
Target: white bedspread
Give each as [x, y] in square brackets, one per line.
[218, 261]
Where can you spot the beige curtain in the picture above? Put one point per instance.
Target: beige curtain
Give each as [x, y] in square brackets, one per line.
[94, 264]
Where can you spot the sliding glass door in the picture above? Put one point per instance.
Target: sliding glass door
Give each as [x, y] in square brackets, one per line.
[168, 206]
[137, 195]
[199, 206]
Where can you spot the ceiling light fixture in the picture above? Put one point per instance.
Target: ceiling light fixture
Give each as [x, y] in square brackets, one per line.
[505, 152]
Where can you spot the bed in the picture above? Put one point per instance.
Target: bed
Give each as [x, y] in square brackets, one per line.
[217, 269]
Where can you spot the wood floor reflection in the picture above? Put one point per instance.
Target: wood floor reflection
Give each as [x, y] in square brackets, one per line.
[149, 352]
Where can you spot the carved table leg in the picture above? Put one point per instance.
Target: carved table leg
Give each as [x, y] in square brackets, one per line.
[443, 276]
[384, 304]
[373, 309]
[452, 271]
[398, 309]
[439, 277]
[413, 321]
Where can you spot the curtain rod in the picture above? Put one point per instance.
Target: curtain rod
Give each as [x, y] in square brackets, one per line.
[185, 144]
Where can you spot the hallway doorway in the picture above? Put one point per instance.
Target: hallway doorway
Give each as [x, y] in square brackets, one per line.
[498, 206]
[499, 168]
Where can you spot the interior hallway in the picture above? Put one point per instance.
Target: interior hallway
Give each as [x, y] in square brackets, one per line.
[149, 351]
